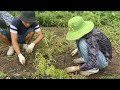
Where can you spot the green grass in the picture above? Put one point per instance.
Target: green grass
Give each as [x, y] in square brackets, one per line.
[2, 75]
[53, 44]
[44, 69]
[60, 18]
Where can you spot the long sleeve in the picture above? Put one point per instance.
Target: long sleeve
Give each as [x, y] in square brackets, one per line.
[92, 52]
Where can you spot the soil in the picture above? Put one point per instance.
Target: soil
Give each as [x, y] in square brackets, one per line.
[14, 69]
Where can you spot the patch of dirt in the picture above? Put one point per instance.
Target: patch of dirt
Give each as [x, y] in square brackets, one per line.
[12, 66]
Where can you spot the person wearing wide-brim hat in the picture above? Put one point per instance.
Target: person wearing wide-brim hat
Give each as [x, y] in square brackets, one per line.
[22, 29]
[93, 46]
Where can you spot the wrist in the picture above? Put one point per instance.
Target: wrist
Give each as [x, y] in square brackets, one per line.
[19, 55]
[33, 44]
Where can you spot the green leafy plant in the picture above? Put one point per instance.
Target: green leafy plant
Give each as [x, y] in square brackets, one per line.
[44, 69]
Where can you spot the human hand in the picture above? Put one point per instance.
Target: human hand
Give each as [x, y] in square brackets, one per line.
[30, 48]
[21, 59]
[74, 52]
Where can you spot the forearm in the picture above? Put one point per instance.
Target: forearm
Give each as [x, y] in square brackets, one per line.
[16, 47]
[38, 39]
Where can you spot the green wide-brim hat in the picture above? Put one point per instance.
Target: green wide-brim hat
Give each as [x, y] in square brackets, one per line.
[78, 28]
[28, 16]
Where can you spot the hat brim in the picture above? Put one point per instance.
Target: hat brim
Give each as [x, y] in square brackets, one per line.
[74, 35]
[31, 20]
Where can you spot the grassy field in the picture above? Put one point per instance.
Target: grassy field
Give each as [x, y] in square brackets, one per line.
[53, 53]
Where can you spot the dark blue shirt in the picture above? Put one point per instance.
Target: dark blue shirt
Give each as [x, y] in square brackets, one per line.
[18, 27]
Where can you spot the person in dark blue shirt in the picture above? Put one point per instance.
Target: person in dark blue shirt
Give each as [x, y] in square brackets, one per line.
[22, 29]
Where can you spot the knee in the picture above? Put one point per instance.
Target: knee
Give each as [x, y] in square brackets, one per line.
[1, 35]
[31, 33]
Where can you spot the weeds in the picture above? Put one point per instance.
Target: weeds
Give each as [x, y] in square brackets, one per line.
[45, 69]
[2, 75]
